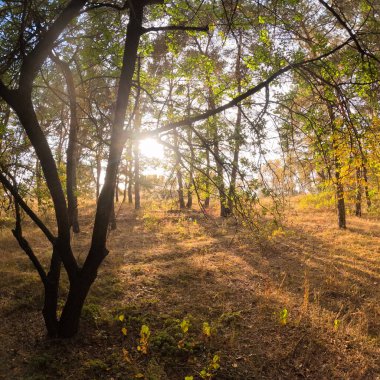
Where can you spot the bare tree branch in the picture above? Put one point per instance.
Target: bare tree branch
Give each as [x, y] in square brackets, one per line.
[353, 35]
[24, 244]
[235, 101]
[7, 184]
[175, 27]
[37, 56]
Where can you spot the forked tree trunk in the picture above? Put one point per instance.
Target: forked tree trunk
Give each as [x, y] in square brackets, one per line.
[80, 284]
[80, 279]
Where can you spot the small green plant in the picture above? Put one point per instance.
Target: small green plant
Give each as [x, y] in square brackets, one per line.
[206, 329]
[151, 221]
[185, 325]
[124, 329]
[337, 323]
[144, 339]
[210, 371]
[284, 316]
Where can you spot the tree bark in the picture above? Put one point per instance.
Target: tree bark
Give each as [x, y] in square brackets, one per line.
[358, 195]
[98, 172]
[235, 162]
[72, 147]
[366, 191]
[38, 184]
[219, 180]
[117, 189]
[206, 203]
[190, 184]
[129, 173]
[237, 131]
[80, 285]
[181, 198]
[51, 286]
[113, 224]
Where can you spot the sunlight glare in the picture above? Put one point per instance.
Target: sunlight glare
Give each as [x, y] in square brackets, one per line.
[150, 148]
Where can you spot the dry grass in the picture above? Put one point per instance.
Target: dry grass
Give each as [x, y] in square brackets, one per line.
[165, 267]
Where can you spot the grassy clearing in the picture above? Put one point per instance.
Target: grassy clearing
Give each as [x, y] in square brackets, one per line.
[216, 304]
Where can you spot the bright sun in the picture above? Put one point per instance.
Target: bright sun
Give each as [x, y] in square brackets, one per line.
[150, 148]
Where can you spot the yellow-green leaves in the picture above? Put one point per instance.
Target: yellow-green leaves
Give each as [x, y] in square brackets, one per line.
[284, 316]
[206, 329]
[264, 37]
[144, 339]
[185, 324]
[209, 372]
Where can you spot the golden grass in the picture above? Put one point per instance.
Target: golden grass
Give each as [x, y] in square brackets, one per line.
[166, 266]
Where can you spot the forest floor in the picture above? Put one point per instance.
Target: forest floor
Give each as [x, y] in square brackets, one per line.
[305, 304]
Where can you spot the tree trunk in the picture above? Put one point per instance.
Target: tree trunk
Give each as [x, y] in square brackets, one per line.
[98, 172]
[358, 195]
[125, 189]
[113, 224]
[366, 192]
[49, 310]
[129, 172]
[130, 188]
[68, 324]
[340, 204]
[237, 131]
[206, 203]
[235, 162]
[341, 208]
[181, 198]
[117, 190]
[80, 285]
[219, 180]
[190, 184]
[38, 184]
[136, 156]
[72, 147]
